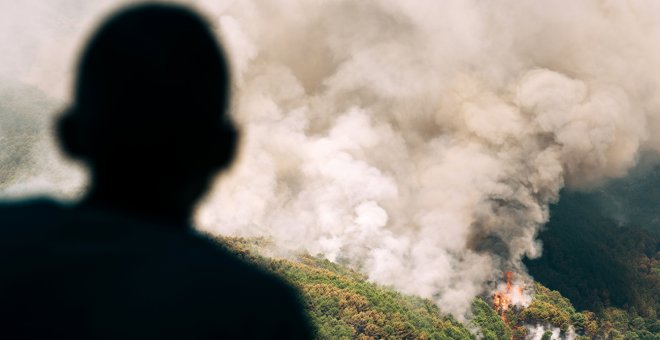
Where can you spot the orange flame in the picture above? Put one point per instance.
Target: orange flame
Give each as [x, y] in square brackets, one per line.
[502, 299]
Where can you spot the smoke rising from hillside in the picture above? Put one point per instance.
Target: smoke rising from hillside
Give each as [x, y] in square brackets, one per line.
[421, 141]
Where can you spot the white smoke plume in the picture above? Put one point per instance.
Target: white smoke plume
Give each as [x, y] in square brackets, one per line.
[536, 332]
[421, 141]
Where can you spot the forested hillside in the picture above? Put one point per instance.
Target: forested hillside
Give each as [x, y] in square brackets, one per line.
[602, 251]
[344, 305]
[598, 264]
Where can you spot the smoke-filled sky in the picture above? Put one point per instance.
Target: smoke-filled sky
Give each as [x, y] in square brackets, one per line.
[418, 141]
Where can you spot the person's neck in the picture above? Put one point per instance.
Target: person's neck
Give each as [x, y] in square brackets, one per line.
[148, 203]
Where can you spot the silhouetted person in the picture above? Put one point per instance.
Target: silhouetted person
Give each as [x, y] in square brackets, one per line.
[149, 120]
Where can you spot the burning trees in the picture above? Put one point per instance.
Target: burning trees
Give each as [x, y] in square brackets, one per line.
[507, 296]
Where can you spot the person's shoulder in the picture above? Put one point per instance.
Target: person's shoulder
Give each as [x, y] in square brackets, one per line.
[23, 206]
[250, 279]
[215, 256]
[248, 290]
[17, 216]
[25, 228]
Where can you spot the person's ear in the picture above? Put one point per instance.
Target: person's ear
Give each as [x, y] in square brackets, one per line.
[71, 134]
[226, 146]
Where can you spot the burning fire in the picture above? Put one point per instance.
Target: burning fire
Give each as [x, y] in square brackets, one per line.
[504, 297]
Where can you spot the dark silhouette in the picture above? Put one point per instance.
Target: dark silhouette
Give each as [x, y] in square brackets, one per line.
[149, 120]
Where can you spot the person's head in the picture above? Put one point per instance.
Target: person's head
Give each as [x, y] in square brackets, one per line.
[149, 114]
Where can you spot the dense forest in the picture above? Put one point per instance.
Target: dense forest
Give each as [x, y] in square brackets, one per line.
[602, 248]
[344, 305]
[598, 264]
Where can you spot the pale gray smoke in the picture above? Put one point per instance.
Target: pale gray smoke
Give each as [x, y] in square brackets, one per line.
[418, 141]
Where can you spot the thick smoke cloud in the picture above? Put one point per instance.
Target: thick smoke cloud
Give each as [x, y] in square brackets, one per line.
[421, 141]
